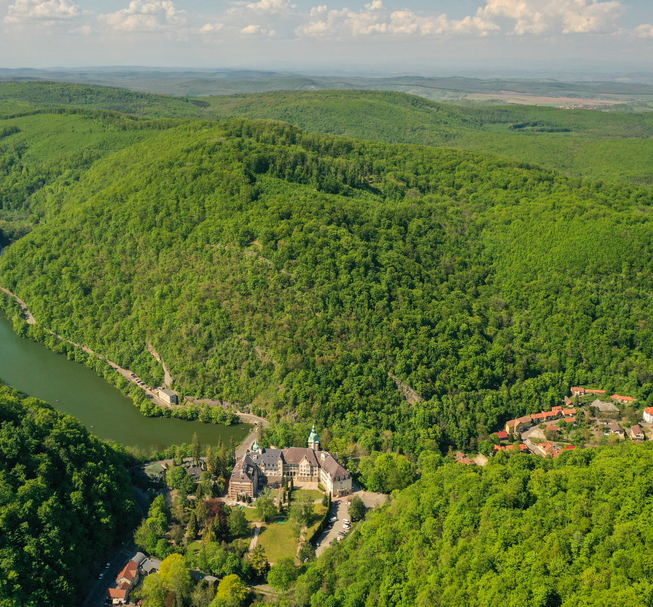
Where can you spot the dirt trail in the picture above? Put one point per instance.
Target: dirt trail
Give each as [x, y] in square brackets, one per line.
[28, 315]
[167, 378]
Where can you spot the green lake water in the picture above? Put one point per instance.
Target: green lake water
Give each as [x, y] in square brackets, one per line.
[75, 389]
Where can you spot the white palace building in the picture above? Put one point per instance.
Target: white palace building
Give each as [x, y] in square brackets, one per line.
[262, 467]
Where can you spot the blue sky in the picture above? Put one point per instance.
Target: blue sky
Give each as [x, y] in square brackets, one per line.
[292, 34]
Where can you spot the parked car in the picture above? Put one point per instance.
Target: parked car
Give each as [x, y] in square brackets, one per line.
[346, 521]
[333, 519]
[107, 565]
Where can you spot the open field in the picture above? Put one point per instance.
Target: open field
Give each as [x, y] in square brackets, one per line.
[279, 540]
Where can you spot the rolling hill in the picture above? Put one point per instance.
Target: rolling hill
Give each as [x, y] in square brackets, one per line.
[303, 273]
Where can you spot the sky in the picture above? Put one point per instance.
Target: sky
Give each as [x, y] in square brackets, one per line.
[393, 35]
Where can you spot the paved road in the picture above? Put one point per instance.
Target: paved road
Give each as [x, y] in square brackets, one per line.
[96, 597]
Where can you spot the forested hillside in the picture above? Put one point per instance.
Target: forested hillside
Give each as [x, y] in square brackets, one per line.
[579, 143]
[522, 531]
[64, 499]
[303, 273]
[42, 147]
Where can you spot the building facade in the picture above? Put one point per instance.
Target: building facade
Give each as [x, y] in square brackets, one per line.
[263, 467]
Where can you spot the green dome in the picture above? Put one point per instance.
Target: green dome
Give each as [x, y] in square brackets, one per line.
[313, 437]
[255, 446]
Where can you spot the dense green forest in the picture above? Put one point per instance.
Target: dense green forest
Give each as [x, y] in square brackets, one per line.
[580, 143]
[572, 532]
[309, 274]
[65, 497]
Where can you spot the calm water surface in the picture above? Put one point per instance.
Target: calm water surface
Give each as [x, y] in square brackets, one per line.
[75, 389]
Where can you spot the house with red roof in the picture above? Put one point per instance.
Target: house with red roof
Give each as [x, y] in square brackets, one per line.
[502, 435]
[578, 391]
[648, 415]
[623, 399]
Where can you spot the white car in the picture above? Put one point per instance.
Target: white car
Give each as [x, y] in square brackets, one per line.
[346, 521]
[333, 519]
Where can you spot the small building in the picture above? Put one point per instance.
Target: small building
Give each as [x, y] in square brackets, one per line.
[636, 433]
[615, 428]
[624, 400]
[150, 566]
[578, 391]
[595, 392]
[461, 458]
[552, 428]
[120, 595]
[568, 412]
[502, 435]
[648, 415]
[567, 401]
[128, 575]
[604, 407]
[168, 396]
[517, 425]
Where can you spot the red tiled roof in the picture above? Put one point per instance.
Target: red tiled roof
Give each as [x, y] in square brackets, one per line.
[551, 428]
[556, 409]
[117, 593]
[649, 410]
[569, 448]
[569, 411]
[129, 572]
[595, 391]
[627, 399]
[571, 420]
[502, 434]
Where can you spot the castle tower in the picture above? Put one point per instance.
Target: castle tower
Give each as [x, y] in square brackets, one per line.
[314, 440]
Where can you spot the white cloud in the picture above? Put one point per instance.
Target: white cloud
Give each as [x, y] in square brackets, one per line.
[644, 31]
[554, 16]
[376, 20]
[252, 30]
[84, 30]
[142, 16]
[272, 6]
[211, 28]
[48, 12]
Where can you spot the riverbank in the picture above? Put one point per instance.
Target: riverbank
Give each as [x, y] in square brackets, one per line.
[144, 397]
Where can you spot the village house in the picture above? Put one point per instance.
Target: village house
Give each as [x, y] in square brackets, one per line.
[567, 401]
[615, 428]
[461, 458]
[603, 407]
[636, 433]
[578, 391]
[624, 400]
[595, 392]
[517, 425]
[502, 435]
[304, 465]
[568, 412]
[125, 581]
[648, 415]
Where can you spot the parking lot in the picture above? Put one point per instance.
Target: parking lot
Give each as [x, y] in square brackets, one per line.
[339, 510]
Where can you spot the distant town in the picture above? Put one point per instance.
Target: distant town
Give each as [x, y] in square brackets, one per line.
[587, 417]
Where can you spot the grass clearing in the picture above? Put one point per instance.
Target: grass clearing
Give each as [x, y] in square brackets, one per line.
[298, 494]
[279, 540]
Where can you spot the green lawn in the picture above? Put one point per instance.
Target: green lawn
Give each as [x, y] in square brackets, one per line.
[320, 510]
[278, 540]
[297, 494]
[250, 514]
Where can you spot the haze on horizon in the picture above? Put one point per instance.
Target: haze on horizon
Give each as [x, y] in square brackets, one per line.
[383, 35]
